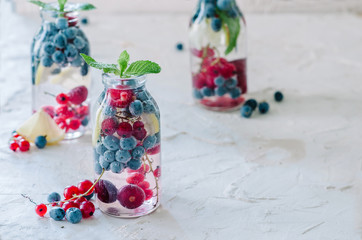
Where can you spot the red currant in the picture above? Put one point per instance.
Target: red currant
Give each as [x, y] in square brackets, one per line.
[84, 186]
[144, 185]
[70, 191]
[14, 145]
[80, 200]
[62, 110]
[148, 193]
[24, 145]
[41, 209]
[87, 208]
[70, 204]
[138, 125]
[62, 98]
[135, 178]
[74, 124]
[157, 172]
[124, 130]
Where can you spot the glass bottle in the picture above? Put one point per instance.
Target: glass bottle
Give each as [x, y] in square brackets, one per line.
[60, 77]
[126, 142]
[217, 36]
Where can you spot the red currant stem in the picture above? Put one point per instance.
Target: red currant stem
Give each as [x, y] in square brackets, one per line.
[156, 181]
[51, 94]
[27, 197]
[81, 195]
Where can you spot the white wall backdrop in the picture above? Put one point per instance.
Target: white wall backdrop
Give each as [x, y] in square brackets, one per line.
[124, 6]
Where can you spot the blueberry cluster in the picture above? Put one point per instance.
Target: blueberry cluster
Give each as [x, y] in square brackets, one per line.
[263, 107]
[210, 9]
[223, 86]
[62, 45]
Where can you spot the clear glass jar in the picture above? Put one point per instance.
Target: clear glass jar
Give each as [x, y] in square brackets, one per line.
[217, 36]
[126, 142]
[58, 68]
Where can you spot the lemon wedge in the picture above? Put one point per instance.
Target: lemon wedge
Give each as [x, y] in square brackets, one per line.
[97, 129]
[41, 124]
[152, 124]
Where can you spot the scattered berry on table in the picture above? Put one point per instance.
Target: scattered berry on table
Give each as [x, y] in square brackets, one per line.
[246, 111]
[54, 197]
[131, 196]
[179, 46]
[252, 103]
[80, 200]
[263, 107]
[84, 186]
[278, 96]
[14, 146]
[84, 20]
[73, 215]
[57, 213]
[24, 145]
[70, 191]
[87, 208]
[41, 209]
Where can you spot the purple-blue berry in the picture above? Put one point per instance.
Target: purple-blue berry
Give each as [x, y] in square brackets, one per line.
[71, 51]
[208, 92]
[46, 61]
[60, 41]
[138, 152]
[263, 107]
[79, 42]
[111, 143]
[128, 143]
[57, 213]
[123, 156]
[134, 164]
[104, 164]
[54, 197]
[71, 33]
[58, 57]
[73, 215]
[219, 81]
[278, 96]
[179, 46]
[136, 108]
[62, 23]
[246, 111]
[252, 103]
[40, 142]
[235, 93]
[198, 94]
[100, 148]
[231, 83]
[49, 48]
[116, 167]
[149, 142]
[109, 156]
[221, 91]
[216, 24]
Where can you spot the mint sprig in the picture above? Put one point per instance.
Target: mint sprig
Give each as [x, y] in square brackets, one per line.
[62, 4]
[124, 70]
[232, 28]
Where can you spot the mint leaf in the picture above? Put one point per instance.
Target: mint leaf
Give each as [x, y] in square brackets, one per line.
[85, 7]
[139, 68]
[233, 29]
[123, 61]
[107, 68]
[43, 5]
[61, 5]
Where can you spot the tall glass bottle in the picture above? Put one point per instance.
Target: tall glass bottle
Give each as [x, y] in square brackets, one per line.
[60, 77]
[217, 36]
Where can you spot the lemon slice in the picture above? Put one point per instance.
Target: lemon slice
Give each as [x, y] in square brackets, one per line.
[152, 124]
[41, 124]
[97, 129]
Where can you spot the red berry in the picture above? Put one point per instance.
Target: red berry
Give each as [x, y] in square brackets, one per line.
[62, 98]
[109, 126]
[80, 200]
[41, 209]
[138, 125]
[62, 110]
[131, 196]
[72, 20]
[74, 124]
[213, 71]
[49, 110]
[14, 145]
[144, 185]
[227, 70]
[124, 130]
[87, 208]
[70, 204]
[84, 186]
[70, 191]
[157, 172]
[59, 120]
[78, 95]
[135, 178]
[143, 169]
[199, 80]
[82, 111]
[140, 134]
[148, 193]
[120, 98]
[156, 149]
[24, 145]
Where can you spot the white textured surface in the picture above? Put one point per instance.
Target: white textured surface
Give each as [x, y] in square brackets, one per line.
[294, 173]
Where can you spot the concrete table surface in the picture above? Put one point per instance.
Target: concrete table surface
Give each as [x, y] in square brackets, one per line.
[294, 173]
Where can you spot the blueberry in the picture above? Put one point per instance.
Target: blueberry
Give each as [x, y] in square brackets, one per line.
[148, 107]
[232, 13]
[142, 96]
[221, 91]
[79, 42]
[84, 70]
[100, 148]
[208, 92]
[51, 28]
[235, 93]
[216, 24]
[231, 83]
[71, 32]
[128, 143]
[101, 96]
[56, 71]
[109, 156]
[109, 111]
[158, 137]
[85, 49]
[71, 51]
[85, 121]
[210, 10]
[123, 156]
[219, 81]
[95, 155]
[179, 46]
[263, 107]
[198, 94]
[224, 4]
[111, 143]
[104, 164]
[134, 164]
[136, 108]
[58, 57]
[73, 215]
[84, 21]
[62, 23]
[57, 213]
[252, 103]
[40, 141]
[46, 61]
[98, 168]
[278, 96]
[116, 167]
[77, 61]
[49, 48]
[246, 111]
[60, 41]
[138, 152]
[54, 197]
[149, 142]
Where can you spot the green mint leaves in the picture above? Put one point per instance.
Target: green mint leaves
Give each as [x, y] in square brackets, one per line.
[233, 30]
[137, 68]
[62, 3]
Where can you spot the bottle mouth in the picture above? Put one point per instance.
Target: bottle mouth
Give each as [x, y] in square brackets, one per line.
[69, 7]
[113, 81]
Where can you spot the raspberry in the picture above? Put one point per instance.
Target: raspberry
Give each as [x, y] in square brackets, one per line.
[78, 95]
[135, 178]
[62, 98]
[70, 191]
[41, 209]
[120, 98]
[24, 145]
[144, 185]
[14, 146]
[109, 126]
[131, 196]
[70, 204]
[87, 208]
[124, 130]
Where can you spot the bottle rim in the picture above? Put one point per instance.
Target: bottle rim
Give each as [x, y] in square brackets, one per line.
[111, 80]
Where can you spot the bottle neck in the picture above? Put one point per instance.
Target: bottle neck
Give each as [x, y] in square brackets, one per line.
[69, 14]
[213, 9]
[115, 82]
